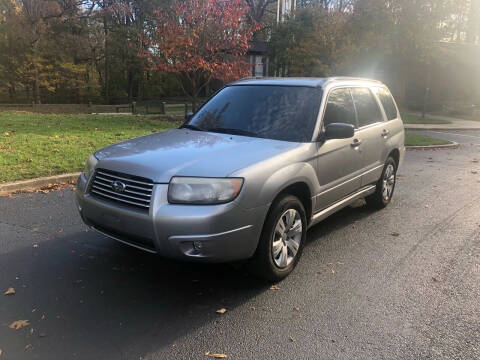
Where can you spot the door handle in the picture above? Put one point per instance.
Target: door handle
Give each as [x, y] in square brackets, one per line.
[356, 143]
[385, 133]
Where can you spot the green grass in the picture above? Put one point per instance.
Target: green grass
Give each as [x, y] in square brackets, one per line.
[35, 145]
[413, 119]
[412, 139]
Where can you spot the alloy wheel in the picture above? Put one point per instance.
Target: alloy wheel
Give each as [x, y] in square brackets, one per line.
[286, 238]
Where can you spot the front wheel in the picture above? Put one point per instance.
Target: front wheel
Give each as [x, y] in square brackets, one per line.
[282, 240]
[385, 186]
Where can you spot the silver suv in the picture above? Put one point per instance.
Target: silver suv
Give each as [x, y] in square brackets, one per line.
[246, 176]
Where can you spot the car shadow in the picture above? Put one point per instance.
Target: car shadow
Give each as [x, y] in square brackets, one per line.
[87, 297]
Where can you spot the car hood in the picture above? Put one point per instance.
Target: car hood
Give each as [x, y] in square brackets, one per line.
[184, 152]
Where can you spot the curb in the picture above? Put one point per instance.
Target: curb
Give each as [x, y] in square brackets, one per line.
[37, 184]
[453, 145]
[440, 128]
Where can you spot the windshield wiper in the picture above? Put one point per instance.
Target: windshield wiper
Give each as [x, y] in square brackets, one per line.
[191, 127]
[233, 131]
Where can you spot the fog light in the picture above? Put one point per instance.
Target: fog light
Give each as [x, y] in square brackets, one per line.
[197, 245]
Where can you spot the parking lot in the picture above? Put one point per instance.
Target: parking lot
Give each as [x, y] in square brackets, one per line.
[401, 283]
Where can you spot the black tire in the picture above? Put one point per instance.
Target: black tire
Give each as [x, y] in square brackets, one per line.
[378, 200]
[263, 264]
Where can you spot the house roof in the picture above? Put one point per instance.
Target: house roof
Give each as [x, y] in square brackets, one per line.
[257, 47]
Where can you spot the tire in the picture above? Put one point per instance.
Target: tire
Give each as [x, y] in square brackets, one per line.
[274, 258]
[385, 186]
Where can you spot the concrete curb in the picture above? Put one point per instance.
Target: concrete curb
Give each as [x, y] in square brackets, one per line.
[37, 184]
[416, 127]
[453, 145]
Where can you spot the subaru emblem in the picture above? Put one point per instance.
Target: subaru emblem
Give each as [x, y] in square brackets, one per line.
[118, 186]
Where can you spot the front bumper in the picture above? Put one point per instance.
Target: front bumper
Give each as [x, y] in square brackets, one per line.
[213, 233]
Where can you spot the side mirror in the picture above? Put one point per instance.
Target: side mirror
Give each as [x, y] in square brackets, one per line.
[188, 116]
[339, 131]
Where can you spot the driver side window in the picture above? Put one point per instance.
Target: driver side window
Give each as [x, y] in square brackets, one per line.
[340, 108]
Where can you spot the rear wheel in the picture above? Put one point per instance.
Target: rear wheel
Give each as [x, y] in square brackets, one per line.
[385, 186]
[282, 240]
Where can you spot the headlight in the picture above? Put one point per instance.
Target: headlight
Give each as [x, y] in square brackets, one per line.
[89, 166]
[195, 190]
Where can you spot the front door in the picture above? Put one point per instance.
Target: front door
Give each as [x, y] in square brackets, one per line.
[339, 161]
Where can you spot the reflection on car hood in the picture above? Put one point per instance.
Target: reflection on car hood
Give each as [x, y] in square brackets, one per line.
[185, 152]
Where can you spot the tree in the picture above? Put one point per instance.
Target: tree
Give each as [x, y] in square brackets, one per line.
[199, 40]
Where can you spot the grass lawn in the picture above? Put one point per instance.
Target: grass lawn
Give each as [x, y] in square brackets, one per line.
[413, 119]
[412, 139]
[35, 145]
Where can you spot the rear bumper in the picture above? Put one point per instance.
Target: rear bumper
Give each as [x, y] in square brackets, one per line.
[402, 156]
[213, 233]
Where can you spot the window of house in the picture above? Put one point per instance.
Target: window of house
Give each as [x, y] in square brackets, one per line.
[340, 108]
[368, 111]
[387, 102]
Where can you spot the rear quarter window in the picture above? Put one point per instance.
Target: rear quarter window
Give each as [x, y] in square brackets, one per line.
[387, 102]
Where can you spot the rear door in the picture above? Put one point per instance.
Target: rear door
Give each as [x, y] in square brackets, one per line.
[371, 132]
[339, 161]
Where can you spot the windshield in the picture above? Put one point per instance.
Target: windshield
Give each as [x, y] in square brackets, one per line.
[287, 113]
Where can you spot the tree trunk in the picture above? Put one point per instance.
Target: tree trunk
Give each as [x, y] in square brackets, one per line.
[37, 86]
[106, 64]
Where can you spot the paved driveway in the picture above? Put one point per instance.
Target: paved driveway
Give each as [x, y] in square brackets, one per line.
[402, 283]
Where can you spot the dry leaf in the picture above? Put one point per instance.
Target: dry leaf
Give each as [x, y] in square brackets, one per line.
[19, 324]
[274, 287]
[216, 356]
[6, 133]
[395, 234]
[333, 271]
[221, 311]
[10, 291]
[292, 339]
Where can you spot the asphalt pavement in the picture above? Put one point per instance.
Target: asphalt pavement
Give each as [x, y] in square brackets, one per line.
[401, 283]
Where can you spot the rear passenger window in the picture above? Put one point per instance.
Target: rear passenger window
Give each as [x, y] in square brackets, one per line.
[340, 108]
[387, 102]
[368, 111]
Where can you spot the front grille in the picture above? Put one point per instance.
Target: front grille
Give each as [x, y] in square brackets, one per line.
[137, 191]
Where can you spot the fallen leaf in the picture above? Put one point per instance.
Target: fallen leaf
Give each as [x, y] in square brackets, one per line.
[296, 309]
[10, 291]
[395, 234]
[216, 356]
[333, 271]
[292, 339]
[221, 311]
[274, 287]
[6, 133]
[18, 324]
